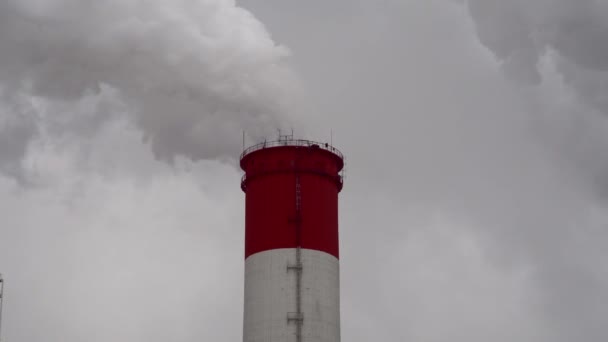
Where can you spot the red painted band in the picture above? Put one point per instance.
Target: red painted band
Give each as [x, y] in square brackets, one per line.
[273, 212]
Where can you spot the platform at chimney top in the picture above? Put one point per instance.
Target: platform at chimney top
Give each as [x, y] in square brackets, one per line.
[288, 141]
[285, 155]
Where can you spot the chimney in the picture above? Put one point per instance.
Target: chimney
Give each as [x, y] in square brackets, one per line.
[292, 275]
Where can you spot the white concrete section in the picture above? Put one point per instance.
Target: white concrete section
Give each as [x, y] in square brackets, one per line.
[270, 294]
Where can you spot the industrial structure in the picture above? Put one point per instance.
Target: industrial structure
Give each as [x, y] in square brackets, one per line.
[1, 302]
[291, 241]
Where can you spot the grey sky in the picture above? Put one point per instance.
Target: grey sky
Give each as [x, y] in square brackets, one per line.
[475, 137]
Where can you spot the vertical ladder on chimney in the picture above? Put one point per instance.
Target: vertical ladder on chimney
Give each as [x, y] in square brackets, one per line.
[297, 317]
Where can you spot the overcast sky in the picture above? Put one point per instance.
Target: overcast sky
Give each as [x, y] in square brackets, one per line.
[475, 132]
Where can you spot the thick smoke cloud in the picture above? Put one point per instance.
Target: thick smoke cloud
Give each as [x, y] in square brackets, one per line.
[572, 32]
[560, 48]
[191, 75]
[16, 130]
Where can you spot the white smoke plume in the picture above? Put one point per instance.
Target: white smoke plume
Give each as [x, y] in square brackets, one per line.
[191, 75]
[563, 44]
[573, 32]
[570, 39]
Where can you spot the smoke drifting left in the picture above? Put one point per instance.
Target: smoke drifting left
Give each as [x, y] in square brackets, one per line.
[190, 75]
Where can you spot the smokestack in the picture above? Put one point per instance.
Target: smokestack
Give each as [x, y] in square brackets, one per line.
[291, 241]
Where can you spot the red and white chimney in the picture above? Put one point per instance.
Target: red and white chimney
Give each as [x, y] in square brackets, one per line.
[292, 278]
